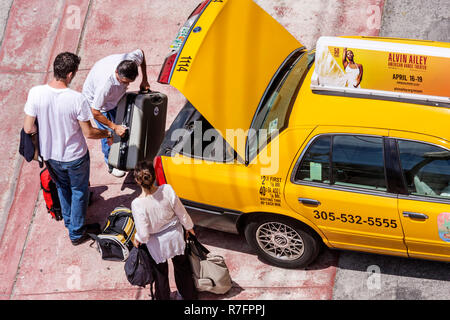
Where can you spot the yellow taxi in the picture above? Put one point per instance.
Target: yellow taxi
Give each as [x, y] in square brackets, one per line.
[346, 145]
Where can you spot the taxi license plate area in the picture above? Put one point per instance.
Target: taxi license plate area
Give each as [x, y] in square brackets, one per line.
[179, 40]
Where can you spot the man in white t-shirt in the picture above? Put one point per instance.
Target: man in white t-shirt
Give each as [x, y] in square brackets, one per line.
[106, 84]
[64, 120]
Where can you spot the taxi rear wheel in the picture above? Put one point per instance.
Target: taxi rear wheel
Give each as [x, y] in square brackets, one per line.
[282, 241]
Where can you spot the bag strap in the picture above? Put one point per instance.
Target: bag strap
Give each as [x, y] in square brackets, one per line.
[94, 238]
[119, 231]
[122, 214]
[143, 248]
[198, 244]
[40, 158]
[51, 172]
[112, 222]
[113, 218]
[201, 249]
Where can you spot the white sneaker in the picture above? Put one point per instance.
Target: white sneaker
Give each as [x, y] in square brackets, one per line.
[117, 173]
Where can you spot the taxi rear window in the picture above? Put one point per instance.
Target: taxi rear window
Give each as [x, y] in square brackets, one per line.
[426, 169]
[273, 114]
[193, 136]
[353, 161]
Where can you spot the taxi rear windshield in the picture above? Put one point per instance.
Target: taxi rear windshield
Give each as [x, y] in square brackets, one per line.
[273, 113]
[193, 136]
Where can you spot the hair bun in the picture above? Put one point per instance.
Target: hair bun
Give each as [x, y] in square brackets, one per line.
[144, 174]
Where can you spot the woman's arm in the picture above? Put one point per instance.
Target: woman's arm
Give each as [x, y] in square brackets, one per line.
[179, 209]
[141, 223]
[344, 58]
[360, 75]
[182, 215]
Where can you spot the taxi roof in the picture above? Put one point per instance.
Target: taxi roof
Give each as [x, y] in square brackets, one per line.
[402, 41]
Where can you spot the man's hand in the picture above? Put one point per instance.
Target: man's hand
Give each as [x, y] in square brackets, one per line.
[144, 86]
[119, 130]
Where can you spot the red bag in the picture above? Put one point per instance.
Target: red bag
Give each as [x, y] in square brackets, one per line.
[50, 195]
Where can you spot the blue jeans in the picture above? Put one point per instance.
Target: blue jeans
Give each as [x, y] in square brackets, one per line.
[72, 182]
[111, 115]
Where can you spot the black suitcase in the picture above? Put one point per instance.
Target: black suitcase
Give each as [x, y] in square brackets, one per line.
[144, 114]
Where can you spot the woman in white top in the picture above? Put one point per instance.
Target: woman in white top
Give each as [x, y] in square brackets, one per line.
[353, 70]
[159, 218]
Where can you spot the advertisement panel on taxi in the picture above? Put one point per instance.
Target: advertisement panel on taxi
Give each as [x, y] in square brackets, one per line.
[382, 68]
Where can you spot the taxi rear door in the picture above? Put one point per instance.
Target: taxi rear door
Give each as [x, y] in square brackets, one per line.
[424, 207]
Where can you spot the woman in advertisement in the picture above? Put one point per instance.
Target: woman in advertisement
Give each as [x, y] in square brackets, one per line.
[353, 70]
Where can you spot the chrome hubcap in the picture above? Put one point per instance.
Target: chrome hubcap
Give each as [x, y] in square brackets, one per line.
[280, 241]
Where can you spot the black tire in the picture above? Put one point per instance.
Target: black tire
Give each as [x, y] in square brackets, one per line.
[282, 241]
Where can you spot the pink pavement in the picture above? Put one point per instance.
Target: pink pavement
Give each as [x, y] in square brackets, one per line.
[38, 260]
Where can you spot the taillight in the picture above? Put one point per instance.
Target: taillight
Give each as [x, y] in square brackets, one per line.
[175, 48]
[164, 75]
[199, 8]
[159, 171]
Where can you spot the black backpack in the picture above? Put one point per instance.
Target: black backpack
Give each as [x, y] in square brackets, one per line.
[139, 268]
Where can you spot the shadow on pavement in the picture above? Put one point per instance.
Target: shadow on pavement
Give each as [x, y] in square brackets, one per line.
[395, 266]
[102, 205]
[327, 258]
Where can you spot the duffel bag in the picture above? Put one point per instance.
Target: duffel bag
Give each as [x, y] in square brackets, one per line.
[116, 240]
[209, 270]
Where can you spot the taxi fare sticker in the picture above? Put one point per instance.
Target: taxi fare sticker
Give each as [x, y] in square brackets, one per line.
[270, 191]
[443, 221]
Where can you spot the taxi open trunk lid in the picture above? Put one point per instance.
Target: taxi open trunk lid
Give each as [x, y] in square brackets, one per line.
[224, 58]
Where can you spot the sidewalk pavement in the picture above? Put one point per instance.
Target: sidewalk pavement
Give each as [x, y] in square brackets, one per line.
[38, 260]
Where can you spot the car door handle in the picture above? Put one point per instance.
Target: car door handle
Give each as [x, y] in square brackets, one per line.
[309, 201]
[415, 215]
